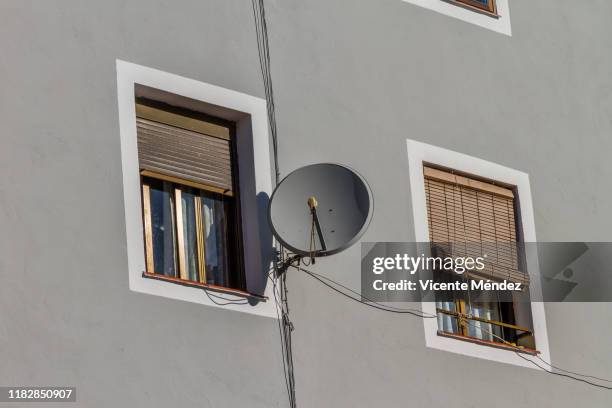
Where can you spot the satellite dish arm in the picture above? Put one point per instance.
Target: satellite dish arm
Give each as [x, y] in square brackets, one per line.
[312, 203]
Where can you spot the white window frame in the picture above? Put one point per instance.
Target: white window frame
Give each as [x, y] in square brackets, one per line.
[419, 153]
[501, 24]
[252, 118]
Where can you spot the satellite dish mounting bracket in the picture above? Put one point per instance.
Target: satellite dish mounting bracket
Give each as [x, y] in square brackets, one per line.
[313, 204]
[283, 266]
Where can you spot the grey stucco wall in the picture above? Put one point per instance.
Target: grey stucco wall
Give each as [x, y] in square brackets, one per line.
[353, 80]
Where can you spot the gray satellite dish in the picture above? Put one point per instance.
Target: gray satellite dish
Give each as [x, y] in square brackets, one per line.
[320, 210]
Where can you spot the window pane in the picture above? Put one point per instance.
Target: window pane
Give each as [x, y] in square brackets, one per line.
[446, 322]
[190, 235]
[482, 330]
[163, 230]
[215, 238]
[444, 300]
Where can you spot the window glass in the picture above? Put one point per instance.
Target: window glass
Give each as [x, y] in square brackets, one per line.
[482, 330]
[215, 226]
[190, 234]
[163, 228]
[447, 323]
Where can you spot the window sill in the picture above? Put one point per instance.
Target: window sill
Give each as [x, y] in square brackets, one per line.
[220, 289]
[488, 343]
[473, 8]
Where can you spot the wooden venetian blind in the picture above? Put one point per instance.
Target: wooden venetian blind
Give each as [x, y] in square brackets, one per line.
[469, 217]
[184, 148]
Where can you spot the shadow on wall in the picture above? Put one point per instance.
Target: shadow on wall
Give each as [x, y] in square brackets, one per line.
[267, 250]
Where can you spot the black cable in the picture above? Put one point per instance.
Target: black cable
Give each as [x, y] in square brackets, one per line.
[382, 307]
[288, 326]
[226, 301]
[517, 350]
[372, 303]
[282, 308]
[261, 31]
[420, 312]
[572, 372]
[564, 375]
[280, 330]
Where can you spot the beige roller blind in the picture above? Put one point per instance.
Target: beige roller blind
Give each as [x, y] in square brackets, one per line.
[185, 149]
[469, 217]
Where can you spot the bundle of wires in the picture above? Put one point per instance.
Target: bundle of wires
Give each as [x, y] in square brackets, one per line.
[278, 279]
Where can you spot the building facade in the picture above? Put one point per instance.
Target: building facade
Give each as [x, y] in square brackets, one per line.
[520, 94]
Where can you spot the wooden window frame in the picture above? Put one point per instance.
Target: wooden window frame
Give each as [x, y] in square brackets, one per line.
[182, 272]
[462, 316]
[488, 343]
[490, 9]
[148, 226]
[205, 286]
[188, 183]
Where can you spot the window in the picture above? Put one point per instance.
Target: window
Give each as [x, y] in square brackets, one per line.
[190, 211]
[469, 216]
[487, 6]
[489, 14]
[236, 128]
[466, 170]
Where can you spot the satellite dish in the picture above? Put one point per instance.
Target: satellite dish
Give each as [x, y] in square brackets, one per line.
[320, 210]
